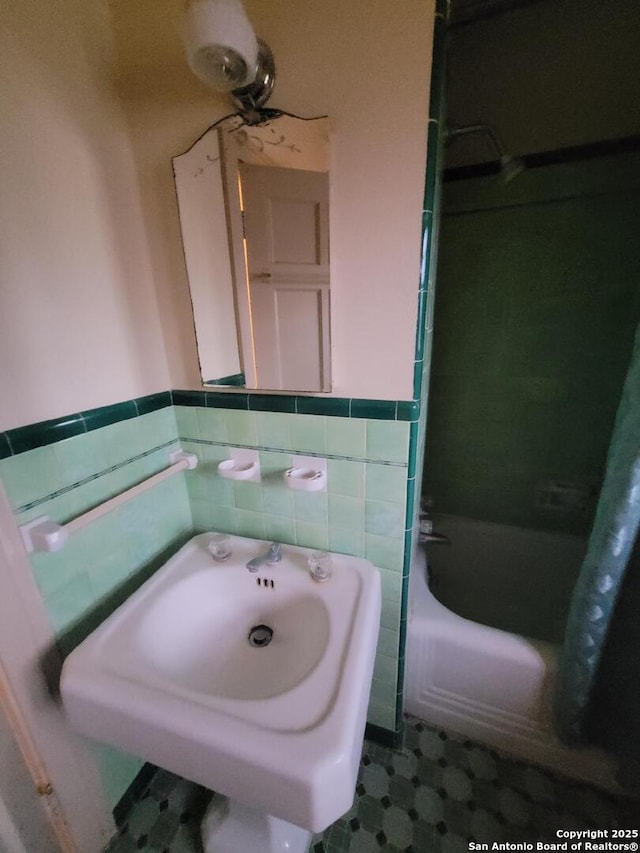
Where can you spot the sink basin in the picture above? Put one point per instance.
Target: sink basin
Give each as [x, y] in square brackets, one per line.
[208, 652]
[276, 724]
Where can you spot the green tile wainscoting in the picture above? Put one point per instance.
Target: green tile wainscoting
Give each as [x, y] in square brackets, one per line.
[64, 467]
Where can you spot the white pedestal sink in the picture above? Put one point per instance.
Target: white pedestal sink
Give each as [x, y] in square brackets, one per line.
[172, 677]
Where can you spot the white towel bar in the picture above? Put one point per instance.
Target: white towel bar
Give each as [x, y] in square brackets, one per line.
[42, 534]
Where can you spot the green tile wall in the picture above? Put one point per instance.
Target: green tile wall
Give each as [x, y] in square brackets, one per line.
[538, 302]
[362, 513]
[103, 562]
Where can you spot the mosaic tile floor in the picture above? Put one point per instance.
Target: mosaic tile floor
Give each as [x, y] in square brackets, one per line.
[436, 794]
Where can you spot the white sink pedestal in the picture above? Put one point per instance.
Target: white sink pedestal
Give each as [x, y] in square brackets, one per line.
[229, 827]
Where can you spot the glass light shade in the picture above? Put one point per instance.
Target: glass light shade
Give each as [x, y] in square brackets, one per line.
[222, 49]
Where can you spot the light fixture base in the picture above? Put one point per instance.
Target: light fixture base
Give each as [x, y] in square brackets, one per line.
[250, 98]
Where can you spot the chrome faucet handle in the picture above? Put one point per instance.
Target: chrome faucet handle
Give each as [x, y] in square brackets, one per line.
[274, 555]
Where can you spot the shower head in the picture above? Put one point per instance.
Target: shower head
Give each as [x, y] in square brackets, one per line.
[510, 166]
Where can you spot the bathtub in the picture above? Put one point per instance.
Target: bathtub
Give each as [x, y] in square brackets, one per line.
[491, 684]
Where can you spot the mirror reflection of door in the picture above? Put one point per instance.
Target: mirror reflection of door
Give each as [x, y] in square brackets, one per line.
[288, 247]
[286, 231]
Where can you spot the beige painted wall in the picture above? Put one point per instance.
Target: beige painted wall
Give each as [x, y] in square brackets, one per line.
[535, 74]
[367, 65]
[79, 323]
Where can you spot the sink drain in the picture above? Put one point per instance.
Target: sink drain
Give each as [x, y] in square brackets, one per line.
[260, 635]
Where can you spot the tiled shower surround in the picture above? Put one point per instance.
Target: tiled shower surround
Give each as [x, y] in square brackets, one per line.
[364, 511]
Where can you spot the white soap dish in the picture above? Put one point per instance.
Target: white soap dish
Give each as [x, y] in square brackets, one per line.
[237, 470]
[308, 474]
[243, 465]
[305, 479]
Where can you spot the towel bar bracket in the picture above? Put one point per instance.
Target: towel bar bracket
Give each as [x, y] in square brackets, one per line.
[180, 456]
[42, 534]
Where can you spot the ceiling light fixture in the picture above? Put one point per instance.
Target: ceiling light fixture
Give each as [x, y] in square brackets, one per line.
[224, 53]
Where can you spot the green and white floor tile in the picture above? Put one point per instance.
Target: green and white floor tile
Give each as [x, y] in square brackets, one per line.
[435, 795]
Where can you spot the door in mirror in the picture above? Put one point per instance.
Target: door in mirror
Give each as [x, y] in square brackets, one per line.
[286, 230]
[254, 215]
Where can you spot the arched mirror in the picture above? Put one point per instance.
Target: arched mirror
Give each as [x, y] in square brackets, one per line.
[254, 215]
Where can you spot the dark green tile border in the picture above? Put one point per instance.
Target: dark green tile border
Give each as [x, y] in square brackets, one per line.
[418, 367]
[339, 407]
[153, 402]
[271, 403]
[220, 400]
[413, 449]
[433, 170]
[408, 545]
[422, 325]
[43, 433]
[29, 437]
[192, 398]
[5, 447]
[400, 692]
[425, 295]
[427, 227]
[107, 415]
[439, 65]
[384, 410]
[411, 488]
[408, 410]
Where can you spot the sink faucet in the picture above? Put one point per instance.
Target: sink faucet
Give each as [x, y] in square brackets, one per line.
[273, 556]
